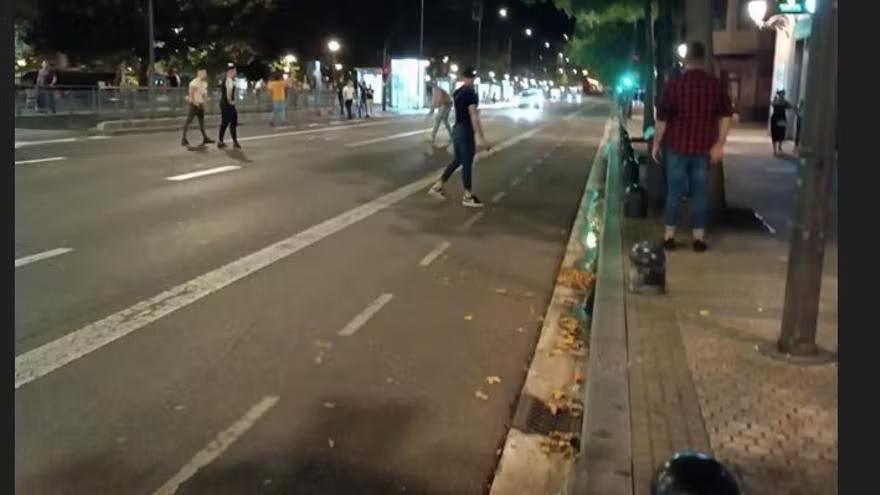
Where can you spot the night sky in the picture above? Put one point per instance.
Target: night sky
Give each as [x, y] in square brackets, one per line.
[364, 26]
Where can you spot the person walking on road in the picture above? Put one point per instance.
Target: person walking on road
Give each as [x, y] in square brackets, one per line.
[693, 119]
[198, 92]
[228, 112]
[442, 104]
[277, 88]
[779, 121]
[467, 122]
[46, 80]
[348, 97]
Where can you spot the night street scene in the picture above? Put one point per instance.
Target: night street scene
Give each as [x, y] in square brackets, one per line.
[439, 247]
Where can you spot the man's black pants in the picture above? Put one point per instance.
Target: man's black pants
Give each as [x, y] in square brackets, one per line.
[195, 112]
[229, 118]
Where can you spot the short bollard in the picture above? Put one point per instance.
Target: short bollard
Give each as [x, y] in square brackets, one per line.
[648, 271]
[694, 473]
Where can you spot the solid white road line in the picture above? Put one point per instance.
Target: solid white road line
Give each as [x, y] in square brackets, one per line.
[472, 220]
[364, 316]
[498, 196]
[21, 144]
[217, 446]
[767, 226]
[41, 160]
[313, 131]
[387, 138]
[435, 253]
[26, 260]
[51, 356]
[202, 173]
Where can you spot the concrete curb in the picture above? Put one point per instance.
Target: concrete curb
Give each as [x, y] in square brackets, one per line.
[523, 466]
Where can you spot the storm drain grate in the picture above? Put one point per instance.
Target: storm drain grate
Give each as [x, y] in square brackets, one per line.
[536, 417]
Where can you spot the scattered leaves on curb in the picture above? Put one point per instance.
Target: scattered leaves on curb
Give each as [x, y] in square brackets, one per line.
[576, 279]
[704, 312]
[493, 380]
[578, 376]
[481, 395]
[559, 442]
[502, 292]
[329, 405]
[468, 317]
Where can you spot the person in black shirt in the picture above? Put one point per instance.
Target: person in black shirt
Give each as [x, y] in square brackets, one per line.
[228, 112]
[467, 123]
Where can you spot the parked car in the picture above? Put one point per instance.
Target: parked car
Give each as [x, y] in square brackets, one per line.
[530, 98]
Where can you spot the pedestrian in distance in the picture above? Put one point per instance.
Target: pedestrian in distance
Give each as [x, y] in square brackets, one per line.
[196, 96]
[779, 121]
[369, 101]
[467, 123]
[348, 97]
[362, 100]
[693, 119]
[46, 81]
[278, 90]
[442, 104]
[228, 112]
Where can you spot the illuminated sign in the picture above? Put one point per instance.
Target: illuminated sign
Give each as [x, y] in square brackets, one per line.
[796, 6]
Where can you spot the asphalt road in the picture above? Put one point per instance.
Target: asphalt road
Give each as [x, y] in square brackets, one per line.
[301, 318]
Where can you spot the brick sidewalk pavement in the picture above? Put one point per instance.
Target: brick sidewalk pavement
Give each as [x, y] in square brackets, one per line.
[696, 379]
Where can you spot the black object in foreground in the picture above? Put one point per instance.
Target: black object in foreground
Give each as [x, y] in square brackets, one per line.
[694, 473]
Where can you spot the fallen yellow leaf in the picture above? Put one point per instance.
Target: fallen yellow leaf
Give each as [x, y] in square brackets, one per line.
[468, 317]
[329, 405]
[331, 442]
[492, 380]
[704, 312]
[481, 395]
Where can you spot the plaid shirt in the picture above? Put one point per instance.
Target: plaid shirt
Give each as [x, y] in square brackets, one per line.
[691, 106]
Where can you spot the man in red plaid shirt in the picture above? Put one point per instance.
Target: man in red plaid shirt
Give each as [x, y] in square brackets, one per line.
[693, 118]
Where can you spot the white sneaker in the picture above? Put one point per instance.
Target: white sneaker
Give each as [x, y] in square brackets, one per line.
[471, 201]
[437, 192]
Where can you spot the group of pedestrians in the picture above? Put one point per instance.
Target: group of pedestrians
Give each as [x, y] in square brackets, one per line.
[346, 94]
[197, 96]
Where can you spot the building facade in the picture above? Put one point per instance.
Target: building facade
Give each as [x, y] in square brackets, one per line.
[744, 55]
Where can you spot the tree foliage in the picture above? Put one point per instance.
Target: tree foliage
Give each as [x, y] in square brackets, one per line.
[109, 32]
[605, 33]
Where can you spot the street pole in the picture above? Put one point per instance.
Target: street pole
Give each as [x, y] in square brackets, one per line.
[650, 84]
[422, 31]
[817, 161]
[510, 55]
[478, 13]
[151, 34]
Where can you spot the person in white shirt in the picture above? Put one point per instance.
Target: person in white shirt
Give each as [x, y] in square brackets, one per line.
[348, 97]
[198, 92]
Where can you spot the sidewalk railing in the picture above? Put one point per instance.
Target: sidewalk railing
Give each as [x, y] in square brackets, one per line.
[115, 103]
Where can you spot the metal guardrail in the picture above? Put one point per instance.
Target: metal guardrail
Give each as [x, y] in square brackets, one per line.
[139, 103]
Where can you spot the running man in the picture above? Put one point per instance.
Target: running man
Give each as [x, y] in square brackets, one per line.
[228, 112]
[442, 103]
[198, 92]
[467, 122]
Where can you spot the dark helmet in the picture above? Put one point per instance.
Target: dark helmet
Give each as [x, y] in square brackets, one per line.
[694, 473]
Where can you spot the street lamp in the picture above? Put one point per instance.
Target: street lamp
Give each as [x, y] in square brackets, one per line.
[547, 45]
[290, 58]
[682, 50]
[453, 68]
[333, 46]
[502, 12]
[528, 32]
[338, 67]
[445, 59]
[491, 74]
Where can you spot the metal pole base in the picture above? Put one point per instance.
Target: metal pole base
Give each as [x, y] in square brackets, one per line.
[814, 356]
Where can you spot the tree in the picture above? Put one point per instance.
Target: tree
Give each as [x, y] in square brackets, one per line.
[108, 32]
[605, 34]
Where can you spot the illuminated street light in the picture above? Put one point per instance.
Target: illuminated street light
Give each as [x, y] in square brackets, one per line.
[502, 12]
[528, 32]
[682, 50]
[560, 55]
[585, 72]
[567, 60]
[21, 62]
[757, 10]
[445, 59]
[565, 36]
[338, 67]
[492, 74]
[290, 58]
[574, 71]
[560, 70]
[453, 68]
[547, 44]
[333, 46]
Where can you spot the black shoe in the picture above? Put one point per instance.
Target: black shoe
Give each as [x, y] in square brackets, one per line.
[236, 145]
[184, 142]
[700, 246]
[670, 244]
[207, 140]
[221, 145]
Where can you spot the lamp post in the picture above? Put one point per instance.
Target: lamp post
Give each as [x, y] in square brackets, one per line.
[502, 13]
[421, 31]
[528, 32]
[334, 47]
